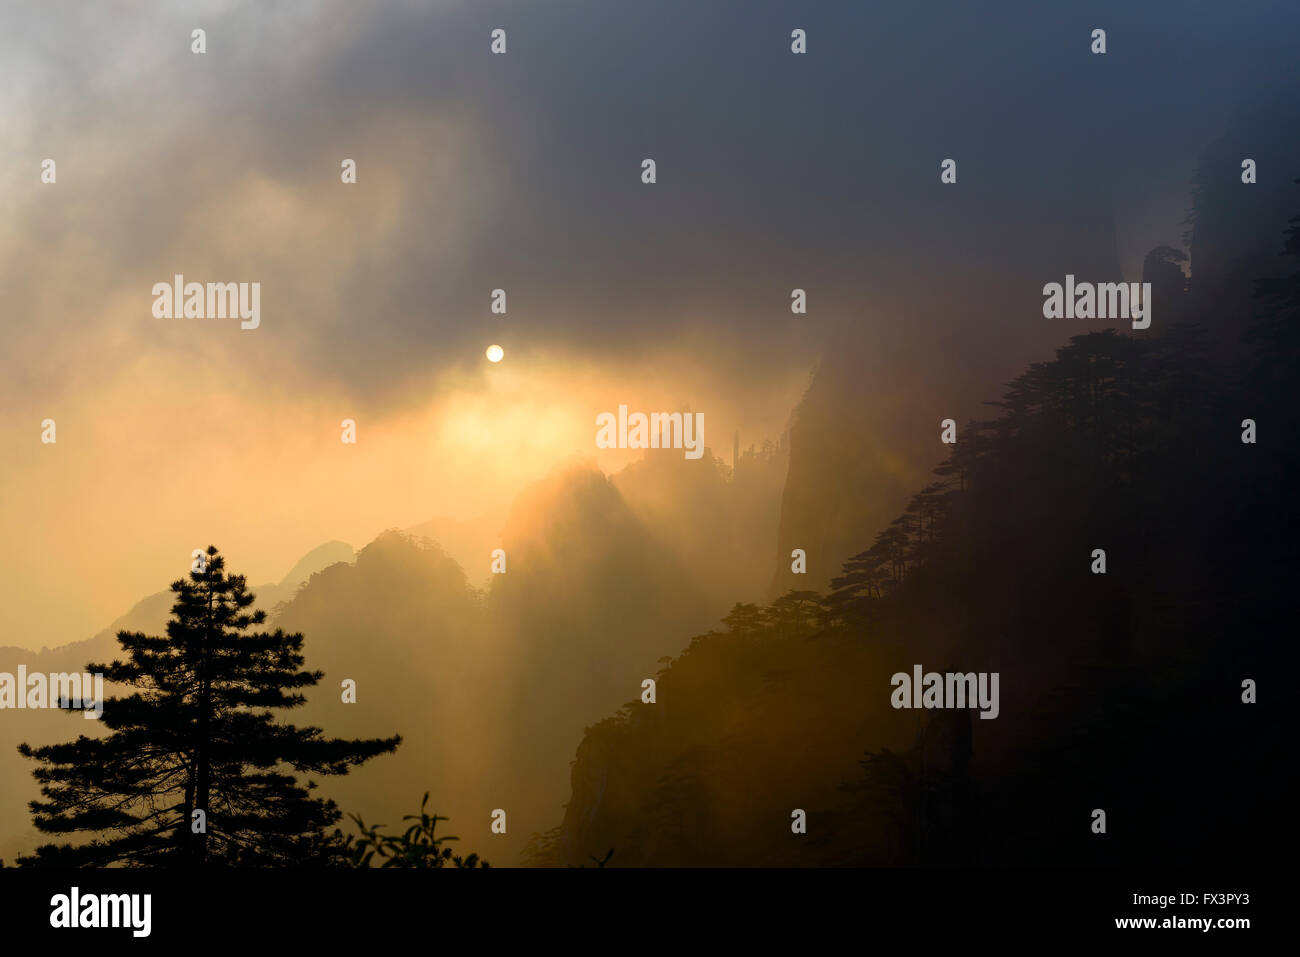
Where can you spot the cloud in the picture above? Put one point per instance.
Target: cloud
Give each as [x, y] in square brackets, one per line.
[478, 172]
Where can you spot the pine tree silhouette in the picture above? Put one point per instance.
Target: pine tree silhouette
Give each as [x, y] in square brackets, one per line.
[197, 734]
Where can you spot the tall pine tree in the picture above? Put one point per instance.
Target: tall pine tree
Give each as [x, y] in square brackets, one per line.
[198, 734]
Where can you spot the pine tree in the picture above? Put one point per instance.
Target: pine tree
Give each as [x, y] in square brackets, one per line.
[197, 734]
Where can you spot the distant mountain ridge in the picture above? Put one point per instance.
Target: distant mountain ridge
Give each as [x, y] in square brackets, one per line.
[490, 678]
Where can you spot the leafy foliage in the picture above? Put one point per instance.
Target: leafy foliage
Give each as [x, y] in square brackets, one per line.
[417, 846]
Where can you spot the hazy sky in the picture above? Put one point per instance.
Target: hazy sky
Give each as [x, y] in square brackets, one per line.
[521, 172]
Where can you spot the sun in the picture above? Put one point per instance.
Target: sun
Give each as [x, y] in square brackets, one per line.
[495, 353]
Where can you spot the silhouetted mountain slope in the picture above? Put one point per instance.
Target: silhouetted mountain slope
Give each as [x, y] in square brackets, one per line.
[403, 624]
[719, 522]
[490, 691]
[319, 558]
[469, 541]
[896, 362]
[583, 566]
[590, 603]
[1120, 691]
